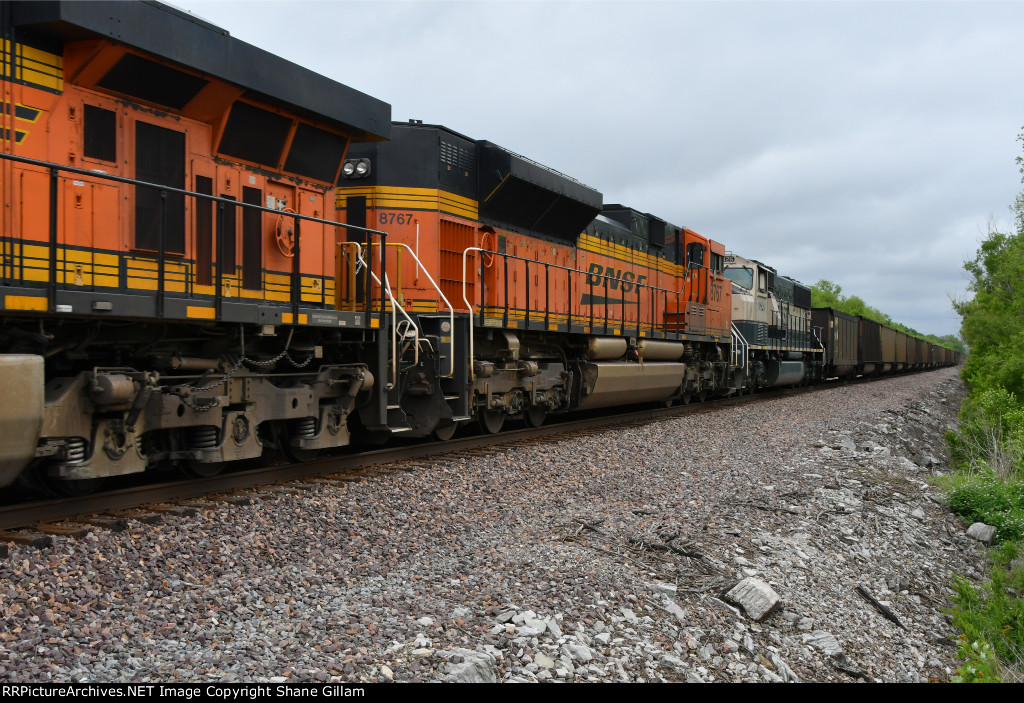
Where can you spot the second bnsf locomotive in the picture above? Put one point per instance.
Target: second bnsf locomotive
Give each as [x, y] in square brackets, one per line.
[567, 303]
[209, 252]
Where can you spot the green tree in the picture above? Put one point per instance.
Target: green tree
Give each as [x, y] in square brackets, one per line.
[826, 294]
[992, 418]
[951, 341]
[988, 448]
[993, 320]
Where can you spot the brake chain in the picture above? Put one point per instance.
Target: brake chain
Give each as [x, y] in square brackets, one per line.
[185, 392]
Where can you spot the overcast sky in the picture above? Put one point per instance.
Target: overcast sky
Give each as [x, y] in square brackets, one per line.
[868, 143]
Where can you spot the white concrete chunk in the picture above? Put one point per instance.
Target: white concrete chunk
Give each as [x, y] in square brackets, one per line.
[982, 532]
[756, 598]
[824, 641]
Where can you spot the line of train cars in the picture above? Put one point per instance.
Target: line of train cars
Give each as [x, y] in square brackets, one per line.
[855, 346]
[208, 252]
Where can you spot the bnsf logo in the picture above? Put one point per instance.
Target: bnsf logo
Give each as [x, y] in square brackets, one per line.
[627, 279]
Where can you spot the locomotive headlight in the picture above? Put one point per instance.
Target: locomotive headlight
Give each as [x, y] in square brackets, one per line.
[356, 168]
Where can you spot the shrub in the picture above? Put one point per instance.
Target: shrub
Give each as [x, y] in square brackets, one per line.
[991, 617]
[980, 664]
[991, 434]
[983, 497]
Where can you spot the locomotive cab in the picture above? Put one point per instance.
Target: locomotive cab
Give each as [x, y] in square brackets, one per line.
[772, 327]
[169, 249]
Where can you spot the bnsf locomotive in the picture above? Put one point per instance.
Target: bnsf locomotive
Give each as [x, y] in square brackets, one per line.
[209, 252]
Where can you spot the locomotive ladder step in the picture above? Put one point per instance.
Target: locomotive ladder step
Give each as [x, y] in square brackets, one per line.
[461, 418]
[394, 407]
[452, 397]
[396, 430]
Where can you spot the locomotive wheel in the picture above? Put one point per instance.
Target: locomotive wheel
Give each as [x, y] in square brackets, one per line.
[535, 415]
[284, 436]
[668, 402]
[300, 456]
[42, 480]
[443, 432]
[196, 469]
[74, 489]
[702, 395]
[491, 421]
[686, 397]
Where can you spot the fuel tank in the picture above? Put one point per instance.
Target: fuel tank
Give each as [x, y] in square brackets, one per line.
[784, 373]
[621, 383]
[21, 383]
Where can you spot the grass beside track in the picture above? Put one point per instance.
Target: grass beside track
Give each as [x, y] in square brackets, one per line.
[991, 614]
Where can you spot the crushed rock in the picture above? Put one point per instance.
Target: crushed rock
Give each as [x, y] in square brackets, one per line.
[481, 567]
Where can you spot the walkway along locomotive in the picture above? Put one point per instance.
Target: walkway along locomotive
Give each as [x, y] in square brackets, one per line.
[201, 261]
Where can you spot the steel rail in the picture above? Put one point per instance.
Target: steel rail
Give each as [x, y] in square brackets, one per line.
[24, 515]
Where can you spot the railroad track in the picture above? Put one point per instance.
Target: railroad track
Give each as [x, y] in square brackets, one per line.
[34, 522]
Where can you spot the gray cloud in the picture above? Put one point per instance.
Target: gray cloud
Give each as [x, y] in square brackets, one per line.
[865, 143]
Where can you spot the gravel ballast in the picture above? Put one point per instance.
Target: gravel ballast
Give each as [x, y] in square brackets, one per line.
[603, 558]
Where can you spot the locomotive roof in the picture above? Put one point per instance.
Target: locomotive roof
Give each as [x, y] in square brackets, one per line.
[512, 191]
[581, 190]
[429, 125]
[611, 223]
[180, 37]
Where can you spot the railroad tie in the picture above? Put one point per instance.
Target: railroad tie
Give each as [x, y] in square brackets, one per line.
[27, 538]
[144, 516]
[62, 530]
[188, 510]
[114, 524]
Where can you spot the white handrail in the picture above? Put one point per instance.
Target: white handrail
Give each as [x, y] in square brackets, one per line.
[814, 333]
[451, 309]
[465, 299]
[386, 286]
[740, 348]
[394, 331]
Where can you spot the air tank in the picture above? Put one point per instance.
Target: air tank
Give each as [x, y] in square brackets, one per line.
[657, 350]
[603, 348]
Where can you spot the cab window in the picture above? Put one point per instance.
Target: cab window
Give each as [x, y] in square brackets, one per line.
[741, 276]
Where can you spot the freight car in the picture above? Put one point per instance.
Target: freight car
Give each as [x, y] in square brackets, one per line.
[202, 262]
[840, 334]
[857, 346]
